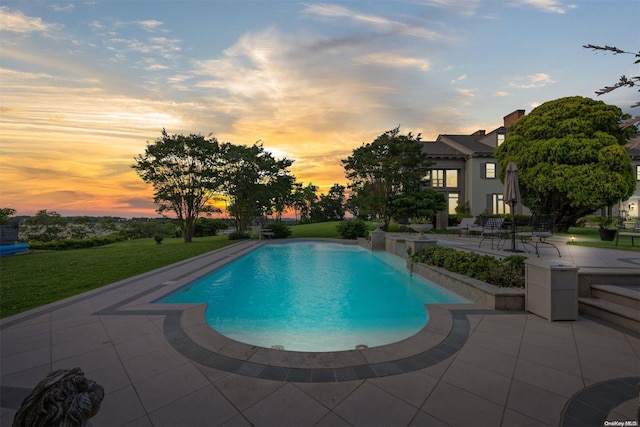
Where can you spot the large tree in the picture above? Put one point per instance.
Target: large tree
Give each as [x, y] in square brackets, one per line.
[303, 199]
[330, 206]
[570, 157]
[254, 182]
[390, 165]
[184, 172]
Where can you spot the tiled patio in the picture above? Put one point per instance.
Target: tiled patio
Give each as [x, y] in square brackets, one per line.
[470, 366]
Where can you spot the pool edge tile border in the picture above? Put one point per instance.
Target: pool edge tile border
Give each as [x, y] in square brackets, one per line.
[214, 350]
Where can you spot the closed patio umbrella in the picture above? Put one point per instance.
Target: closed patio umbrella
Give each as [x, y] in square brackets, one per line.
[511, 197]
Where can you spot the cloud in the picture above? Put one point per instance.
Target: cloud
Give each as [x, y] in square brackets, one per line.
[466, 96]
[78, 109]
[459, 79]
[549, 6]
[379, 23]
[161, 46]
[158, 52]
[531, 81]
[59, 8]
[392, 60]
[17, 22]
[501, 93]
[266, 85]
[149, 25]
[463, 7]
[97, 26]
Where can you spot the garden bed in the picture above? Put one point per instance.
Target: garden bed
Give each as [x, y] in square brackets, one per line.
[475, 290]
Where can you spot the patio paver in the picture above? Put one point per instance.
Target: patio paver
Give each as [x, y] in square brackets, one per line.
[472, 366]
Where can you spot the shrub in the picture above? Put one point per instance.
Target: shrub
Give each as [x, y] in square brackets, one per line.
[65, 244]
[352, 229]
[209, 227]
[238, 235]
[508, 272]
[280, 231]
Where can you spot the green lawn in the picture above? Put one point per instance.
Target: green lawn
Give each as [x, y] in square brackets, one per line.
[320, 229]
[590, 237]
[35, 278]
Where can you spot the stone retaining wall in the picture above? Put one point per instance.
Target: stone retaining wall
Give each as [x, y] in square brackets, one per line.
[472, 289]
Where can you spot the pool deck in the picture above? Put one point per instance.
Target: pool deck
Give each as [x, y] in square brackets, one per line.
[161, 365]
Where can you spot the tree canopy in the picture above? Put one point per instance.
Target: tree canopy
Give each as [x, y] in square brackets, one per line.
[303, 199]
[392, 164]
[255, 182]
[418, 205]
[571, 158]
[184, 172]
[330, 206]
[6, 214]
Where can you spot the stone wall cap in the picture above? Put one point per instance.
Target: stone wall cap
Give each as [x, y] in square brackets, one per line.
[552, 264]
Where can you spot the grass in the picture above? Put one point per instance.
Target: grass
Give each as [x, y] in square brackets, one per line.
[320, 229]
[623, 245]
[590, 237]
[36, 278]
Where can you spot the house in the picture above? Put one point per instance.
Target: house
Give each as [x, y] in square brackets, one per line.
[465, 170]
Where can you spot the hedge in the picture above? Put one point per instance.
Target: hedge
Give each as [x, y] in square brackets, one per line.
[64, 244]
[508, 272]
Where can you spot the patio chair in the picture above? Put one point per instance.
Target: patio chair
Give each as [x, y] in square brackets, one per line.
[629, 232]
[466, 225]
[541, 230]
[491, 229]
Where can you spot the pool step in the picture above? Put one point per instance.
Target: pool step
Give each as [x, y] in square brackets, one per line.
[619, 305]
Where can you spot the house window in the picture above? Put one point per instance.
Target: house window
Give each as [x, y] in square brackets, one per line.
[638, 173]
[437, 178]
[452, 178]
[453, 199]
[489, 170]
[444, 178]
[498, 206]
[501, 137]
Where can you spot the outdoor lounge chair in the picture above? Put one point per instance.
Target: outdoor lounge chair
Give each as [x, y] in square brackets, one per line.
[541, 230]
[629, 232]
[465, 226]
[491, 229]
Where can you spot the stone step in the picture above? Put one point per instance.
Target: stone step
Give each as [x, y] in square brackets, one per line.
[611, 312]
[628, 296]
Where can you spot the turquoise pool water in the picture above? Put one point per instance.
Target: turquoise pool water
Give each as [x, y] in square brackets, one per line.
[314, 296]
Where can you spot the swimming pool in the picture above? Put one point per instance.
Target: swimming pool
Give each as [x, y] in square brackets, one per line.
[314, 296]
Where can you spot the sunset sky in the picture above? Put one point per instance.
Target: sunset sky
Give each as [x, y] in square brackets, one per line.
[85, 85]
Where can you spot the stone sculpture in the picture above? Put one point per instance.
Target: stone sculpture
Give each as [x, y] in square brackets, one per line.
[65, 398]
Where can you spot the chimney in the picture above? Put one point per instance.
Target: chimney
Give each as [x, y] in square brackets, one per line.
[510, 119]
[480, 132]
